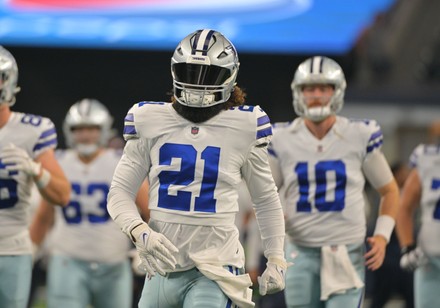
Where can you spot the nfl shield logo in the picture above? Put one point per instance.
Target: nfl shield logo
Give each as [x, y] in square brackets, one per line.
[194, 130]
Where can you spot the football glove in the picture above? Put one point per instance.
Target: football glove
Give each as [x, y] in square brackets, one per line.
[273, 278]
[155, 250]
[411, 258]
[17, 159]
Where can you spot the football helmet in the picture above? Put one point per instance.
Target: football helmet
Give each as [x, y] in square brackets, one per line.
[318, 70]
[204, 68]
[88, 112]
[8, 77]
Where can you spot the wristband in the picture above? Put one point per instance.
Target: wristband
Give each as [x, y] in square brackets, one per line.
[384, 226]
[407, 249]
[44, 179]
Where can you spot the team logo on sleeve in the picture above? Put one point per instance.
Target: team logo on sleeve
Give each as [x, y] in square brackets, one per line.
[194, 130]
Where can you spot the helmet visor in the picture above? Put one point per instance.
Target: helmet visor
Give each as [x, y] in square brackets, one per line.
[198, 74]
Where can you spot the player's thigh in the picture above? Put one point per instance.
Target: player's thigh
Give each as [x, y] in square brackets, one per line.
[15, 280]
[68, 283]
[112, 285]
[302, 279]
[204, 292]
[168, 291]
[426, 284]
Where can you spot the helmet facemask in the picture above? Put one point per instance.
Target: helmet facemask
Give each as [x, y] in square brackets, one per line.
[8, 77]
[204, 75]
[88, 113]
[318, 71]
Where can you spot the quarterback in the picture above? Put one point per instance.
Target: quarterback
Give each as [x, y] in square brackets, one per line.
[320, 162]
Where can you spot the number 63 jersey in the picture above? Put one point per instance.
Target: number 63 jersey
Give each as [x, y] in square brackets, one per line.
[321, 181]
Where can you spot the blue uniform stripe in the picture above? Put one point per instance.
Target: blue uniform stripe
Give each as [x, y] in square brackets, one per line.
[206, 44]
[264, 132]
[50, 142]
[263, 120]
[272, 152]
[374, 145]
[48, 132]
[129, 117]
[376, 135]
[129, 130]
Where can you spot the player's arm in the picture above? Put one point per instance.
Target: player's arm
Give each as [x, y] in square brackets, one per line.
[142, 201]
[270, 218]
[51, 181]
[42, 222]
[409, 202]
[379, 174]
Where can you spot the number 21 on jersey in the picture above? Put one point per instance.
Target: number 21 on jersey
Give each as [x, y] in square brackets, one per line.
[210, 157]
[329, 193]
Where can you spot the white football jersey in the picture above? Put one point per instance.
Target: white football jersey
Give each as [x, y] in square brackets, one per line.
[84, 229]
[426, 158]
[34, 134]
[323, 181]
[195, 171]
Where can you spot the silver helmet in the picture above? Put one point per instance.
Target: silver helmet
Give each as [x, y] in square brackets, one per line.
[204, 68]
[88, 112]
[318, 70]
[8, 77]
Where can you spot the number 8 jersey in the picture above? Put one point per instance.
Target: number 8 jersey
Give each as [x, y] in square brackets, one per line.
[34, 134]
[322, 181]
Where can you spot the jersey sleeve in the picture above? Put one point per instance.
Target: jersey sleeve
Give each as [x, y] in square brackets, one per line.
[47, 138]
[375, 137]
[264, 128]
[130, 131]
[414, 158]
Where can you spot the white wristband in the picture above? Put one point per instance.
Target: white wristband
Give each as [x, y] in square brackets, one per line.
[44, 179]
[384, 226]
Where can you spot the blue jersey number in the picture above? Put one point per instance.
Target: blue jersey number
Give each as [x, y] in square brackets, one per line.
[321, 170]
[181, 201]
[73, 212]
[8, 193]
[436, 185]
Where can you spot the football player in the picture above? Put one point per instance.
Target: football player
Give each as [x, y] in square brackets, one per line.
[195, 151]
[27, 144]
[422, 188]
[320, 162]
[89, 262]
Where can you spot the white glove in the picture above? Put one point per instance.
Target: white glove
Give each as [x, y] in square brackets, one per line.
[273, 278]
[136, 263]
[412, 257]
[17, 159]
[155, 250]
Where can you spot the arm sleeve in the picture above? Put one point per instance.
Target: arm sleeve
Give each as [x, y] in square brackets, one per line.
[377, 170]
[268, 211]
[130, 173]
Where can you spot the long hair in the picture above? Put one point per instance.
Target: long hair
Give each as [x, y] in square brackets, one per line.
[199, 115]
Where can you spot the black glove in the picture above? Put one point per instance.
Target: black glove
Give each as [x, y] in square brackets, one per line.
[411, 257]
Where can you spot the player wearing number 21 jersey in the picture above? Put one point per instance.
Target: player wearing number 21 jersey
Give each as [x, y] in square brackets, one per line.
[195, 152]
[27, 144]
[320, 162]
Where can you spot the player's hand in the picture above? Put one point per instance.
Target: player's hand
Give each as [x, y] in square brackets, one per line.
[375, 256]
[273, 278]
[17, 159]
[411, 258]
[155, 250]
